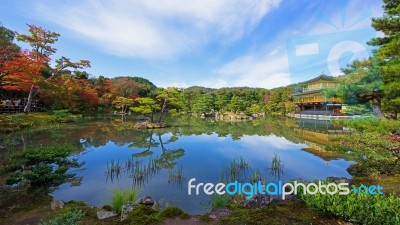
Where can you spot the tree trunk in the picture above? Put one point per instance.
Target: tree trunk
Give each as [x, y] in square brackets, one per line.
[161, 143]
[27, 108]
[162, 110]
[151, 117]
[376, 107]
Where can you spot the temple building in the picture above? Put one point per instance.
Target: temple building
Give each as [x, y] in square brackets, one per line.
[311, 101]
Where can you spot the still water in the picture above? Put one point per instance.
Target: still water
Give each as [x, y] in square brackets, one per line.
[160, 162]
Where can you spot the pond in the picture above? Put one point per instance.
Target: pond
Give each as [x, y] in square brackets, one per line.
[160, 162]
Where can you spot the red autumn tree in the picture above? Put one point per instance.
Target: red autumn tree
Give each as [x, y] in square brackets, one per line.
[41, 41]
[125, 87]
[24, 72]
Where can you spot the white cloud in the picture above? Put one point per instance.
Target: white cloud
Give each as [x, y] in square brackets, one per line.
[267, 70]
[156, 28]
[270, 68]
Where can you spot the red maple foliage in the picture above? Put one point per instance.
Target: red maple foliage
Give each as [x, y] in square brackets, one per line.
[24, 71]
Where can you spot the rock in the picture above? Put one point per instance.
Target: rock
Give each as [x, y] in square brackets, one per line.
[56, 204]
[101, 215]
[147, 200]
[149, 125]
[127, 208]
[219, 213]
[257, 201]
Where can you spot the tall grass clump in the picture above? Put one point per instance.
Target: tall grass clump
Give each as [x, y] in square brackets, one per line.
[276, 168]
[120, 197]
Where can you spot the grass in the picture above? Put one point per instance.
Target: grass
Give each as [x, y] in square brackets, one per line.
[144, 215]
[113, 169]
[236, 169]
[220, 201]
[276, 168]
[15, 122]
[176, 176]
[141, 172]
[288, 212]
[119, 198]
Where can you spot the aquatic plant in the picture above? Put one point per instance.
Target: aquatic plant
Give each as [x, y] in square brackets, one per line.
[142, 172]
[119, 198]
[176, 177]
[255, 176]
[113, 169]
[236, 170]
[276, 168]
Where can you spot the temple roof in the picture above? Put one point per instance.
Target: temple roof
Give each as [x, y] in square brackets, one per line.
[320, 77]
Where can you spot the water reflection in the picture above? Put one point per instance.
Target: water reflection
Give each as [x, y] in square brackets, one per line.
[160, 162]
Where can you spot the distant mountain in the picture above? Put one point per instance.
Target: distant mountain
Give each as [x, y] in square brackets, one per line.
[199, 88]
[140, 80]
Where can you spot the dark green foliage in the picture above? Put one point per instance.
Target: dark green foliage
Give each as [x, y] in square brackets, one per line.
[42, 167]
[172, 212]
[147, 215]
[220, 201]
[362, 83]
[359, 208]
[372, 145]
[389, 53]
[70, 217]
[288, 212]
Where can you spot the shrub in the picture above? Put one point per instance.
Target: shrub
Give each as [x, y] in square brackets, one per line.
[360, 208]
[69, 217]
[119, 198]
[173, 212]
[220, 201]
[42, 167]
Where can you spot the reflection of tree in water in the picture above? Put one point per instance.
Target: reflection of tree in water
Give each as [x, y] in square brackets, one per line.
[143, 172]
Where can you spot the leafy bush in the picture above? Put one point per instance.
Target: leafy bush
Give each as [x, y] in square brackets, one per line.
[67, 218]
[119, 198]
[360, 208]
[220, 201]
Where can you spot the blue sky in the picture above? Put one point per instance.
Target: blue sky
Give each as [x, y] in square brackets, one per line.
[213, 43]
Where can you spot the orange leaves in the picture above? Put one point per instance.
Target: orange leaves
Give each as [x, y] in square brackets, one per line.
[23, 70]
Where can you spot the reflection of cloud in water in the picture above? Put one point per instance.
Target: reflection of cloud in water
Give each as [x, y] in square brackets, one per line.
[204, 159]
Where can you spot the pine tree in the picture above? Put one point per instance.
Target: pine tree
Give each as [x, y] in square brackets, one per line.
[389, 53]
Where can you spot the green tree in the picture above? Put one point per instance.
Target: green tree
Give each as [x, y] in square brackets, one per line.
[123, 104]
[8, 49]
[146, 106]
[236, 104]
[254, 108]
[389, 53]
[169, 99]
[362, 83]
[205, 104]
